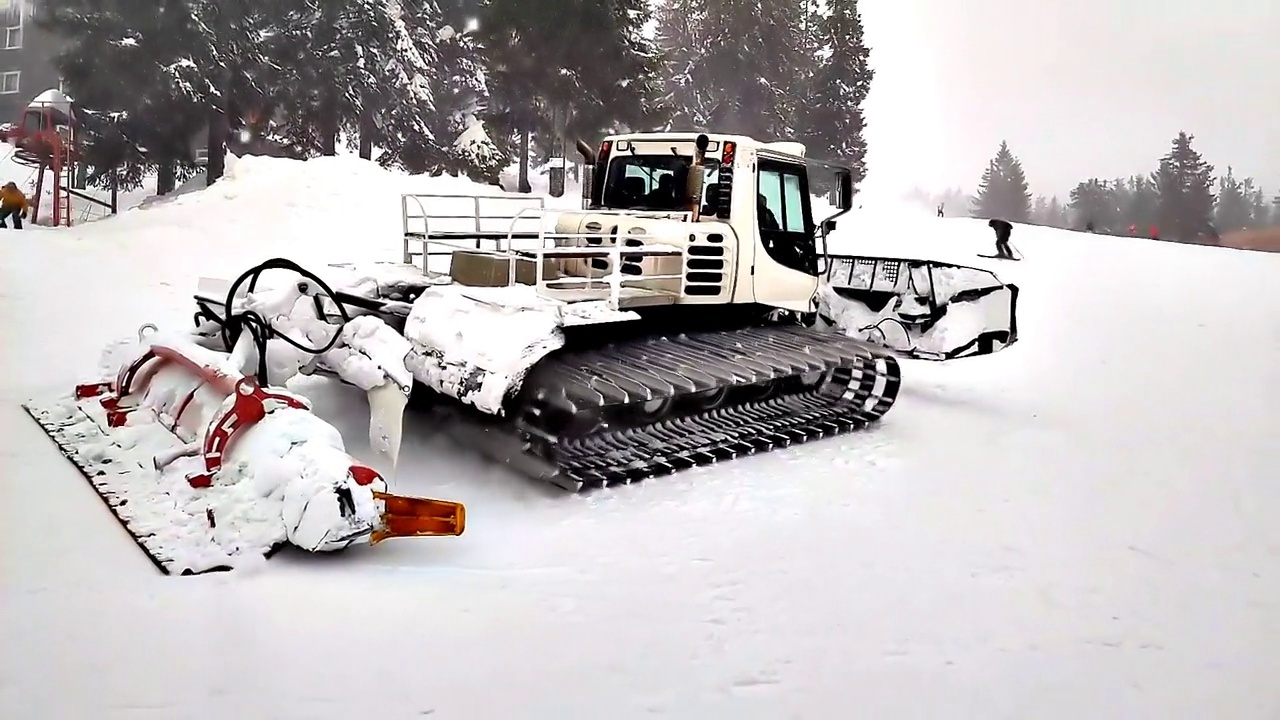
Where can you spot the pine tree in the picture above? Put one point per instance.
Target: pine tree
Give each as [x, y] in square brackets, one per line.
[1003, 191]
[462, 98]
[229, 66]
[1259, 209]
[1057, 214]
[359, 67]
[1143, 203]
[116, 59]
[1040, 210]
[830, 119]
[744, 67]
[1093, 205]
[678, 29]
[581, 64]
[1185, 183]
[1233, 211]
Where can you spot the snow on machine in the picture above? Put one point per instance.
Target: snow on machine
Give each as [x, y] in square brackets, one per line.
[680, 318]
[206, 468]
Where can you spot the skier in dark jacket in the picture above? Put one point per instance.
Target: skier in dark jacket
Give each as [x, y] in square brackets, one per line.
[1003, 230]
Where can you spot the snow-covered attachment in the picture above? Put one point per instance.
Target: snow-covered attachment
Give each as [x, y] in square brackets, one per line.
[207, 469]
[921, 309]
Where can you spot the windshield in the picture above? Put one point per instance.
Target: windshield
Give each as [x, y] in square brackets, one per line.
[652, 182]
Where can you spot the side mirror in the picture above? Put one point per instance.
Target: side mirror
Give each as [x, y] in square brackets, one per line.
[846, 190]
[828, 227]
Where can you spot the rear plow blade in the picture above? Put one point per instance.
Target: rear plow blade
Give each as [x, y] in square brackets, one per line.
[790, 385]
[181, 533]
[205, 469]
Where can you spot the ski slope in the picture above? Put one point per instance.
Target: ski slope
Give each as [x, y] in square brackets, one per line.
[1080, 526]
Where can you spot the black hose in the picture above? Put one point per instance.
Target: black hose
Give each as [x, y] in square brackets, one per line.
[258, 328]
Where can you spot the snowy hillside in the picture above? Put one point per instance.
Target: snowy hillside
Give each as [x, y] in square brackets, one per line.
[1080, 526]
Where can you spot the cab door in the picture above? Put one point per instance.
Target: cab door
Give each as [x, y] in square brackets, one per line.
[785, 273]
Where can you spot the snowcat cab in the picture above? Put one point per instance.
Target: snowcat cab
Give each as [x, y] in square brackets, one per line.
[751, 238]
[761, 192]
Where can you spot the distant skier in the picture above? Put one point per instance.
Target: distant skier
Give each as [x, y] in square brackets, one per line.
[1003, 230]
[940, 211]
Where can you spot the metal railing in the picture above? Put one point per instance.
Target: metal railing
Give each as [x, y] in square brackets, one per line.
[430, 222]
[529, 237]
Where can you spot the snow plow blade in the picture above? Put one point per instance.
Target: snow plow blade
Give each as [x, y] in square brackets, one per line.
[206, 470]
[920, 309]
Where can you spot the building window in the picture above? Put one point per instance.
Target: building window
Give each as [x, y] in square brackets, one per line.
[9, 82]
[13, 36]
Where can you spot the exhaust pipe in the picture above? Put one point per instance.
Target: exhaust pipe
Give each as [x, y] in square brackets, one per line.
[693, 183]
[587, 152]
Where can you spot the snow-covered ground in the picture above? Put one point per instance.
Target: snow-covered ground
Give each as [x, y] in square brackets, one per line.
[1080, 526]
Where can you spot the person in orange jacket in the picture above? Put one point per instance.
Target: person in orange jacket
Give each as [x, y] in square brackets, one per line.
[12, 204]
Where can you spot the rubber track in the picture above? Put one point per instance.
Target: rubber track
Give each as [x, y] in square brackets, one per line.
[861, 387]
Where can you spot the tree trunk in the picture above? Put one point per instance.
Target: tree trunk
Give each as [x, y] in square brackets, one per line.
[366, 134]
[217, 162]
[219, 131]
[329, 123]
[524, 162]
[166, 178]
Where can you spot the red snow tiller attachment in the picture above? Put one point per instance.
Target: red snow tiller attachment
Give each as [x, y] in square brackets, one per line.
[205, 468]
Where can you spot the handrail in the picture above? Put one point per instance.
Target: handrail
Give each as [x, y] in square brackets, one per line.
[549, 242]
[476, 216]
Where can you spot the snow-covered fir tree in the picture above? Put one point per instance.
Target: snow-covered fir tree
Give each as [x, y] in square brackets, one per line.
[740, 67]
[1185, 183]
[1040, 210]
[1093, 205]
[359, 67]
[571, 67]
[677, 32]
[831, 120]
[1234, 208]
[1143, 202]
[462, 97]
[1057, 214]
[1003, 192]
[1260, 209]
[135, 70]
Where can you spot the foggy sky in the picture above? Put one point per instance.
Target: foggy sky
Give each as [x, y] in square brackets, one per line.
[1079, 88]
